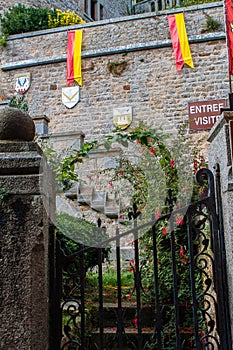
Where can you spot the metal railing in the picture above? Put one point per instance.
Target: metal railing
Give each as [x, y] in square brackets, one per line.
[154, 5]
[197, 320]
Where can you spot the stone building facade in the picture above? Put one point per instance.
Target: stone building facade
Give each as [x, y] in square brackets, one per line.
[94, 9]
[148, 82]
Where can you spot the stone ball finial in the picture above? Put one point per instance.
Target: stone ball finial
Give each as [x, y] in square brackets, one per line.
[16, 125]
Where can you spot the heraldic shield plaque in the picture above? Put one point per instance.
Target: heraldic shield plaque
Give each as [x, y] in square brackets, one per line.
[70, 96]
[122, 117]
[22, 82]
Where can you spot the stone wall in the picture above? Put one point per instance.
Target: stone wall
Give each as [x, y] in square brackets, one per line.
[25, 233]
[110, 9]
[61, 4]
[221, 153]
[113, 9]
[149, 83]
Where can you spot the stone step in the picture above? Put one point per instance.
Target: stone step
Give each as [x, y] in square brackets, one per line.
[128, 314]
[111, 208]
[130, 338]
[85, 194]
[96, 200]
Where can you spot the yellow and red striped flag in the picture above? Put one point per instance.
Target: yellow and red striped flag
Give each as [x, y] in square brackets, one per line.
[74, 47]
[229, 30]
[180, 42]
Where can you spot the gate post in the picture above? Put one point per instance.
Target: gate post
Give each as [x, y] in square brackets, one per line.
[220, 159]
[26, 206]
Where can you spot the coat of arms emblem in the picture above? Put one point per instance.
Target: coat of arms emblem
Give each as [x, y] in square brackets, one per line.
[70, 96]
[22, 82]
[122, 117]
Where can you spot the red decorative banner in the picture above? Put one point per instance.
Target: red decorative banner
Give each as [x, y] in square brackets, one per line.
[229, 24]
[180, 41]
[74, 57]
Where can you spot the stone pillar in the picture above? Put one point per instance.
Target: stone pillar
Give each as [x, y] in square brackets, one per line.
[220, 152]
[41, 124]
[26, 203]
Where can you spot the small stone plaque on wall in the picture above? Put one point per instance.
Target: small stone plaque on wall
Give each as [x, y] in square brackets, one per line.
[122, 117]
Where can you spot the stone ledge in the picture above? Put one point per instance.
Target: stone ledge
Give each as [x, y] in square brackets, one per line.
[116, 20]
[113, 51]
[21, 184]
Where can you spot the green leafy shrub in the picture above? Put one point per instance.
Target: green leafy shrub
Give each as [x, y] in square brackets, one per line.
[21, 19]
[212, 24]
[19, 102]
[71, 231]
[185, 3]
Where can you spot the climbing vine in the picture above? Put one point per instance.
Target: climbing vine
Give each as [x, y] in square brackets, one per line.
[149, 140]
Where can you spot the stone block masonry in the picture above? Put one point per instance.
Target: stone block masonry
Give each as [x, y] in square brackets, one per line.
[220, 163]
[27, 207]
[149, 83]
[109, 8]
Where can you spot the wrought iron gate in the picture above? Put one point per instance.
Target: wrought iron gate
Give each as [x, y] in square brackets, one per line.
[189, 313]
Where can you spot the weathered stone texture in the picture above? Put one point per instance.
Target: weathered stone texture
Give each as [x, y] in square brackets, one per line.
[24, 239]
[220, 152]
[61, 4]
[111, 8]
[16, 125]
[24, 308]
[149, 83]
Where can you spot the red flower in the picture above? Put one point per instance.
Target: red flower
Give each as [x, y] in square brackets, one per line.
[138, 142]
[179, 221]
[186, 260]
[135, 322]
[110, 184]
[164, 231]
[172, 163]
[131, 261]
[152, 150]
[151, 140]
[182, 251]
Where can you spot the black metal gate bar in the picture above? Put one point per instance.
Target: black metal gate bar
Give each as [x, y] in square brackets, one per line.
[157, 321]
[100, 278]
[175, 287]
[55, 284]
[120, 326]
[210, 204]
[191, 233]
[192, 280]
[218, 268]
[82, 298]
[204, 323]
[137, 281]
[224, 282]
